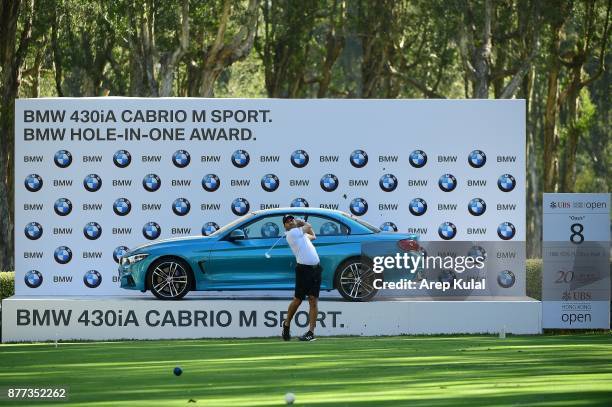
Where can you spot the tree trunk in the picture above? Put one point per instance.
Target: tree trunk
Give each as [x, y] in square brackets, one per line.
[551, 139]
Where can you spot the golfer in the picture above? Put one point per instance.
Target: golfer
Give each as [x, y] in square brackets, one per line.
[307, 273]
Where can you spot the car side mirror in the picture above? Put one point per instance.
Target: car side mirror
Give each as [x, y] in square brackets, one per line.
[237, 234]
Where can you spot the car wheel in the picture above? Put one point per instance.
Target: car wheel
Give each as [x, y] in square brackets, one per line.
[169, 279]
[355, 280]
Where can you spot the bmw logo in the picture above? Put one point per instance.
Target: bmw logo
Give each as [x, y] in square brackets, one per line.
[62, 206]
[477, 207]
[447, 182]
[122, 158]
[151, 182]
[299, 158]
[92, 230]
[447, 231]
[33, 278]
[92, 278]
[122, 206]
[359, 159]
[329, 229]
[388, 182]
[92, 182]
[418, 206]
[181, 158]
[506, 231]
[209, 228]
[240, 158]
[358, 206]
[388, 227]
[477, 158]
[151, 230]
[447, 276]
[33, 230]
[506, 183]
[181, 206]
[270, 229]
[477, 251]
[270, 183]
[63, 158]
[33, 182]
[329, 182]
[240, 206]
[299, 203]
[211, 182]
[62, 254]
[418, 158]
[506, 279]
[119, 252]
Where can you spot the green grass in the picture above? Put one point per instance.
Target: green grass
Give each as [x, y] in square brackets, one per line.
[389, 371]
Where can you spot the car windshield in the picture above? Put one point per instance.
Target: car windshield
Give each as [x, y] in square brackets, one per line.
[362, 222]
[232, 224]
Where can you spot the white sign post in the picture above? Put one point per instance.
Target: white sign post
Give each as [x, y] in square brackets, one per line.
[576, 255]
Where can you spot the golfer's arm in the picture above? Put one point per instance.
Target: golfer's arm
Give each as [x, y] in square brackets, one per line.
[310, 234]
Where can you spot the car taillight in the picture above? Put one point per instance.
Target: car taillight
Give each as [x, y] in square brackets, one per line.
[408, 245]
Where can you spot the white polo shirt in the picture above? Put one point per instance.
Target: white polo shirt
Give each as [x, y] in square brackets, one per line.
[302, 247]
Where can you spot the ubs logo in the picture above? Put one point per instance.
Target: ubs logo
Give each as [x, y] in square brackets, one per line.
[122, 158]
[33, 183]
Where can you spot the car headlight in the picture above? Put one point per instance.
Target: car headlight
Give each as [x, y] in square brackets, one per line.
[129, 260]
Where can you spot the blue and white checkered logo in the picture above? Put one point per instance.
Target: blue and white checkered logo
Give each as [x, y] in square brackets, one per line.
[33, 230]
[447, 182]
[359, 159]
[62, 206]
[477, 207]
[240, 158]
[388, 182]
[506, 183]
[506, 279]
[62, 255]
[181, 206]
[181, 158]
[211, 182]
[358, 206]
[447, 231]
[33, 182]
[418, 158]
[388, 227]
[269, 230]
[33, 278]
[92, 278]
[122, 206]
[477, 251]
[151, 230]
[92, 230]
[122, 158]
[329, 182]
[119, 252]
[329, 229]
[477, 158]
[240, 206]
[92, 182]
[209, 228]
[63, 158]
[270, 183]
[151, 182]
[417, 207]
[299, 158]
[506, 231]
[299, 203]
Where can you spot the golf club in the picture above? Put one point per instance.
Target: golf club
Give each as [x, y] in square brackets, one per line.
[267, 254]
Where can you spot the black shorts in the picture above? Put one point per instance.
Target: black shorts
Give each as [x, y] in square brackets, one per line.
[307, 281]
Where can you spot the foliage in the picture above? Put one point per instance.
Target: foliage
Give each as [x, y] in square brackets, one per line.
[7, 284]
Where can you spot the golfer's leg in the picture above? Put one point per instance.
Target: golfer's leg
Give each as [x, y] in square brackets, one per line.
[293, 306]
[313, 313]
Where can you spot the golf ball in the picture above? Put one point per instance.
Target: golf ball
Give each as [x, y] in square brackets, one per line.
[289, 398]
[178, 371]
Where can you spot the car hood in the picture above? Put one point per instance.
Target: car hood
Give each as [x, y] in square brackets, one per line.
[171, 242]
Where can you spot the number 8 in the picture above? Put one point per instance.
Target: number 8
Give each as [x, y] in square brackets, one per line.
[577, 229]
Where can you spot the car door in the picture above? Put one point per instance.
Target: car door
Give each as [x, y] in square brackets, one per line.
[242, 264]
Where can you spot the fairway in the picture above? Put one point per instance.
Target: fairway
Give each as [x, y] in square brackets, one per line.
[385, 371]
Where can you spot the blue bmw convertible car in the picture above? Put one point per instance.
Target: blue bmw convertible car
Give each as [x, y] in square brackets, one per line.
[239, 256]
